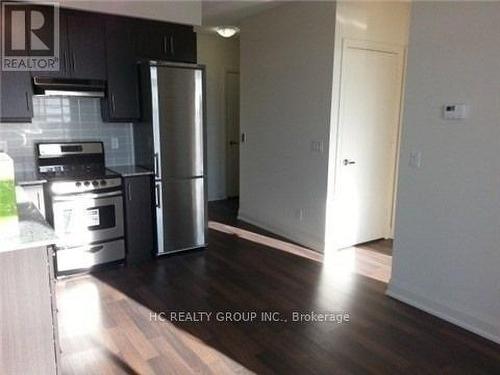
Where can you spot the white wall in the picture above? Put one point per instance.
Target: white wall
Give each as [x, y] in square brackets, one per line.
[186, 12]
[219, 55]
[286, 85]
[384, 22]
[447, 249]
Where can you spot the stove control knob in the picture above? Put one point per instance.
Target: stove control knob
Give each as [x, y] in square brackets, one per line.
[87, 183]
[103, 183]
[95, 183]
[78, 184]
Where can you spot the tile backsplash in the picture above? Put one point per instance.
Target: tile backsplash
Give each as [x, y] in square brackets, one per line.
[66, 119]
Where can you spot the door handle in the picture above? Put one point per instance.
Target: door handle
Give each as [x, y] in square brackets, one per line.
[348, 162]
[113, 104]
[172, 47]
[157, 196]
[234, 143]
[156, 166]
[129, 191]
[165, 48]
[28, 107]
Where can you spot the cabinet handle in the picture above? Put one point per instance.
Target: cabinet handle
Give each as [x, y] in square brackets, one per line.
[64, 61]
[73, 63]
[39, 203]
[165, 44]
[129, 191]
[113, 105]
[28, 107]
[172, 50]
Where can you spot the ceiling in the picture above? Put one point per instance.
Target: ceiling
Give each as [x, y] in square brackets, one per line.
[230, 13]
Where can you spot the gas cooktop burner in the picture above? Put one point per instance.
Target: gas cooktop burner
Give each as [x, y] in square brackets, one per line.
[72, 161]
[83, 174]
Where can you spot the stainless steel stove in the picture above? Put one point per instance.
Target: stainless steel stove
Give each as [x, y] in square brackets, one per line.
[85, 205]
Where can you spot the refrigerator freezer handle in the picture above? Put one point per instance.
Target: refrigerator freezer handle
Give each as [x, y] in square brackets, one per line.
[157, 196]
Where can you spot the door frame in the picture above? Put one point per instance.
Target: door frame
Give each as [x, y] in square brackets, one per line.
[226, 125]
[401, 51]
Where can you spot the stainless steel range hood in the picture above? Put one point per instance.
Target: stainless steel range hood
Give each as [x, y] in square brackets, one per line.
[69, 87]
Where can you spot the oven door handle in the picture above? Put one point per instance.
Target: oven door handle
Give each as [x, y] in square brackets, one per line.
[65, 198]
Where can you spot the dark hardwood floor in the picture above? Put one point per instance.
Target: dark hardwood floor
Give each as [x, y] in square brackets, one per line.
[107, 320]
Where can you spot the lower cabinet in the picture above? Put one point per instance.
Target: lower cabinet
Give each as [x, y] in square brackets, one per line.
[28, 316]
[139, 218]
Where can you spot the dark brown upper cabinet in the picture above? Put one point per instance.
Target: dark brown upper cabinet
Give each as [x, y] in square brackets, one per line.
[122, 95]
[82, 46]
[164, 41]
[16, 95]
[86, 45]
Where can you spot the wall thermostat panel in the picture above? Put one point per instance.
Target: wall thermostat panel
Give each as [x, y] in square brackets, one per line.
[455, 111]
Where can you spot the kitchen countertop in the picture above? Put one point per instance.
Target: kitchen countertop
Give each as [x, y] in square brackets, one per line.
[32, 229]
[131, 170]
[28, 178]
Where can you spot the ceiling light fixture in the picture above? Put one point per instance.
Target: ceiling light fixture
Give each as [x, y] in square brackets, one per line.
[227, 31]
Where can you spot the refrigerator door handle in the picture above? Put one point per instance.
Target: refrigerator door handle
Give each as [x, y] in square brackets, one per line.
[156, 166]
[157, 196]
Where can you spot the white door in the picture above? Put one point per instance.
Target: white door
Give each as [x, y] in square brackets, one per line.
[369, 118]
[232, 134]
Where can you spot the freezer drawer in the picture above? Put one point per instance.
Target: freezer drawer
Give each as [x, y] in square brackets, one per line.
[85, 257]
[182, 215]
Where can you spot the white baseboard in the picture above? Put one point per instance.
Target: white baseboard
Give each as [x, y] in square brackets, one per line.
[300, 238]
[480, 326]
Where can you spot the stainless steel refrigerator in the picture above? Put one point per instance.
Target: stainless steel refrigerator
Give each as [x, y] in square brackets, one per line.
[177, 119]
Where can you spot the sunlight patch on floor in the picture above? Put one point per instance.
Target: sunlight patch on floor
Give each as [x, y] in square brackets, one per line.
[267, 241]
[340, 264]
[101, 329]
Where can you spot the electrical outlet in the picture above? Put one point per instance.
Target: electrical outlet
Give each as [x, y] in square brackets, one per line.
[317, 146]
[115, 143]
[299, 214]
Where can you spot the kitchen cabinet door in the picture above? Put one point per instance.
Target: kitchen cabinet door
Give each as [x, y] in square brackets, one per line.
[139, 218]
[86, 53]
[150, 40]
[122, 99]
[64, 62]
[181, 44]
[165, 41]
[16, 104]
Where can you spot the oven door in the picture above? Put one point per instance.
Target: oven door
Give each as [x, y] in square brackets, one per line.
[82, 219]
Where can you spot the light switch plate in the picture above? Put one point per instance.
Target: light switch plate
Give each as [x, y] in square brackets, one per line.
[115, 143]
